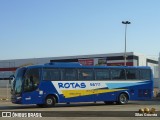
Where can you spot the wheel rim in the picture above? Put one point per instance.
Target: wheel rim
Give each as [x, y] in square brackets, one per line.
[123, 98]
[49, 101]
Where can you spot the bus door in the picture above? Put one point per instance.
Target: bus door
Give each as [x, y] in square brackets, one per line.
[31, 92]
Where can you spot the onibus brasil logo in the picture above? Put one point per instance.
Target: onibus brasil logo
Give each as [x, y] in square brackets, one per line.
[19, 114]
[146, 112]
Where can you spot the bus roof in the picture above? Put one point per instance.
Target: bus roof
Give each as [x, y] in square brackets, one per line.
[78, 65]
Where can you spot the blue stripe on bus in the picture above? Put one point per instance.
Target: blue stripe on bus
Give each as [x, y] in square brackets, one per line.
[121, 85]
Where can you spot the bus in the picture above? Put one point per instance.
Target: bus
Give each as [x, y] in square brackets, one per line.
[51, 83]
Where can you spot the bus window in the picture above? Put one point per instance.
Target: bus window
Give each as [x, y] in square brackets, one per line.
[69, 74]
[31, 80]
[102, 74]
[132, 74]
[51, 74]
[145, 74]
[118, 74]
[86, 74]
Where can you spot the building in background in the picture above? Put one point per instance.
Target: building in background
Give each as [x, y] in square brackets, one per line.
[8, 67]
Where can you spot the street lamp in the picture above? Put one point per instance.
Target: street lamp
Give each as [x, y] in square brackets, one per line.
[126, 23]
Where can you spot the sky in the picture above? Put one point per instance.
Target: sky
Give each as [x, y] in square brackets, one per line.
[54, 28]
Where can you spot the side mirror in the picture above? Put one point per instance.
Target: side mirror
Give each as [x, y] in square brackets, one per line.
[12, 77]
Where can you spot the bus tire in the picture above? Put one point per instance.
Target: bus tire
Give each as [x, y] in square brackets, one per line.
[123, 99]
[50, 101]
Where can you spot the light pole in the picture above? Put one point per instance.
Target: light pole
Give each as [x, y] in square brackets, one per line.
[125, 56]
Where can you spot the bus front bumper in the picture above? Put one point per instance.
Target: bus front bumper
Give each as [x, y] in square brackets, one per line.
[16, 99]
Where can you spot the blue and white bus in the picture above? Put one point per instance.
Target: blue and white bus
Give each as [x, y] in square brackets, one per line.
[48, 84]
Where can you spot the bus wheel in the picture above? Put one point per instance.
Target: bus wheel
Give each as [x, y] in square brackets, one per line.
[123, 99]
[50, 101]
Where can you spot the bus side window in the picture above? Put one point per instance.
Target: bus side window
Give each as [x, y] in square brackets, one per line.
[145, 74]
[102, 74]
[69, 74]
[86, 74]
[132, 74]
[118, 74]
[51, 74]
[46, 75]
[55, 74]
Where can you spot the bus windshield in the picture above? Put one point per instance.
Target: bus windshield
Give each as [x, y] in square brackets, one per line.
[17, 83]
